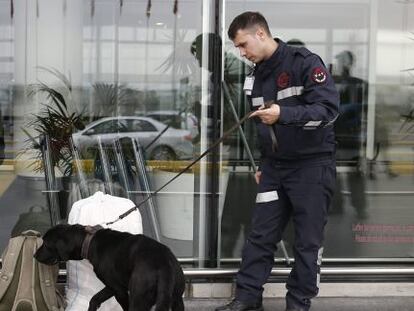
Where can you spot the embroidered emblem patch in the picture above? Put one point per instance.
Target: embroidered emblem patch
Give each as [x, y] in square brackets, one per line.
[283, 80]
[319, 75]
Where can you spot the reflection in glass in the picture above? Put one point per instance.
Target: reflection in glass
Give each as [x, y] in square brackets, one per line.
[142, 62]
[374, 133]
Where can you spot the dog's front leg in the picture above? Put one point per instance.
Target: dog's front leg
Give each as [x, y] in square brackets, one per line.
[99, 298]
[122, 298]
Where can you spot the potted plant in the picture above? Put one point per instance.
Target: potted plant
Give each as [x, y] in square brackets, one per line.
[56, 120]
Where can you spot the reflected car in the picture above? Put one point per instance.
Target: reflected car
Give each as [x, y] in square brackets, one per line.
[173, 144]
[175, 119]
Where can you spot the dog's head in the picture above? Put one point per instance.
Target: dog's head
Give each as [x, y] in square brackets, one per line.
[61, 243]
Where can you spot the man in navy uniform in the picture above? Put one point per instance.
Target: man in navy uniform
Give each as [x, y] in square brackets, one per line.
[295, 104]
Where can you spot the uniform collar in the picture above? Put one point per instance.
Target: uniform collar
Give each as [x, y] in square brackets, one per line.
[264, 68]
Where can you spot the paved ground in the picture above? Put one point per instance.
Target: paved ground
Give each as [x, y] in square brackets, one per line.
[319, 304]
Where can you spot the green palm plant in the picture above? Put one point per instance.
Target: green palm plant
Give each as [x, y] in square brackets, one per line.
[112, 100]
[57, 119]
[180, 58]
[107, 98]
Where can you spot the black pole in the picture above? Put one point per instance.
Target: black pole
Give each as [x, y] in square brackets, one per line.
[212, 216]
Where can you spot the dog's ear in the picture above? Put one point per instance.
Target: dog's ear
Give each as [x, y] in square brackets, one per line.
[62, 250]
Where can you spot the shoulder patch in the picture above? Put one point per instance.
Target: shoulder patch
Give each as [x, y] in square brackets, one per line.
[319, 75]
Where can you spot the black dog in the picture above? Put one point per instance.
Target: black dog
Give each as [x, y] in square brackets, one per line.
[137, 270]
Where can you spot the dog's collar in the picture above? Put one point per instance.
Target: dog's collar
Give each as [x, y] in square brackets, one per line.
[90, 233]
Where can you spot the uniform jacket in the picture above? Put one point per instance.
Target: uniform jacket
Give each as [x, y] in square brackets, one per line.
[298, 81]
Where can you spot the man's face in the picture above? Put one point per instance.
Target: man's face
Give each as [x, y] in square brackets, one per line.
[250, 44]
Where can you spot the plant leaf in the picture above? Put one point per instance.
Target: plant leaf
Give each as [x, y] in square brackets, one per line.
[58, 75]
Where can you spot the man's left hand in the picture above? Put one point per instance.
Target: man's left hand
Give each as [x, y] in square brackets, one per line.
[267, 115]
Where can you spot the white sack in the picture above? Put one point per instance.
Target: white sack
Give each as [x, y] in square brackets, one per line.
[82, 282]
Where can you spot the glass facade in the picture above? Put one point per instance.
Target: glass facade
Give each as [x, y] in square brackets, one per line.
[119, 96]
[368, 54]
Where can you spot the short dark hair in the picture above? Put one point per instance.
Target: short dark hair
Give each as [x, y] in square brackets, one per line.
[247, 20]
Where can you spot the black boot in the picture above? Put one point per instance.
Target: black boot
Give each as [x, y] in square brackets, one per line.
[237, 305]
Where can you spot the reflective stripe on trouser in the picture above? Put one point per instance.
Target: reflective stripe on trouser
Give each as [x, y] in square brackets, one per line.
[303, 193]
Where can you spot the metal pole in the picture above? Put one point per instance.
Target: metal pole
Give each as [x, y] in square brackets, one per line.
[145, 184]
[122, 170]
[237, 119]
[50, 181]
[106, 170]
[83, 185]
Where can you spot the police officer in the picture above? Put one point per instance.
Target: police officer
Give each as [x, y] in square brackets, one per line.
[295, 104]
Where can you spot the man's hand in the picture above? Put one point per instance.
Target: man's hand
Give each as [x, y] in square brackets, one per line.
[257, 176]
[267, 115]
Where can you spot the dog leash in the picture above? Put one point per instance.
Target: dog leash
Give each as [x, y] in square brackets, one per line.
[214, 145]
[271, 128]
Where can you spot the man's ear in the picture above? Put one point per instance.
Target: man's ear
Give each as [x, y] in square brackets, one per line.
[261, 33]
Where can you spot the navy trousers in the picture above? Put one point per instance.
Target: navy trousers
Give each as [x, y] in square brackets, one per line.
[303, 192]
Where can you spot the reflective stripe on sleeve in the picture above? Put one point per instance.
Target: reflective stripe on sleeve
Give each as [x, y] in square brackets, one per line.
[290, 91]
[313, 123]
